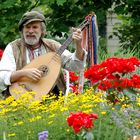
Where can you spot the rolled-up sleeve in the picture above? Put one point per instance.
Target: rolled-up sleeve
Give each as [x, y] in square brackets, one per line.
[71, 62]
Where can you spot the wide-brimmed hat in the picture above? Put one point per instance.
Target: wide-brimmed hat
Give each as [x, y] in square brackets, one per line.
[29, 17]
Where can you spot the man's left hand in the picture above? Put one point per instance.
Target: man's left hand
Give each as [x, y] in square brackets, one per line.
[77, 38]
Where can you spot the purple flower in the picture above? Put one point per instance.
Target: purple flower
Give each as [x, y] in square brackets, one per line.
[43, 135]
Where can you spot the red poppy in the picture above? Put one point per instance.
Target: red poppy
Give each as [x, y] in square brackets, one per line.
[74, 88]
[109, 74]
[73, 76]
[81, 120]
[136, 80]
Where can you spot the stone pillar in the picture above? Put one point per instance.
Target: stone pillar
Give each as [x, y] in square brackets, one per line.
[112, 41]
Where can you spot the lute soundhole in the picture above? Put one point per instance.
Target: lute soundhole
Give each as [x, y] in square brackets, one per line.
[44, 69]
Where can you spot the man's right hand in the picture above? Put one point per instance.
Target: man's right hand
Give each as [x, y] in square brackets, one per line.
[32, 73]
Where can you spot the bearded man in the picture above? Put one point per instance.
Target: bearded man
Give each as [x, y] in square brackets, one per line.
[32, 44]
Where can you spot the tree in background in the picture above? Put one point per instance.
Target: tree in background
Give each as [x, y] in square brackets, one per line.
[60, 15]
[129, 31]
[71, 13]
[63, 14]
[11, 12]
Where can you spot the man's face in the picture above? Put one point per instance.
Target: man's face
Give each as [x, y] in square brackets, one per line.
[32, 32]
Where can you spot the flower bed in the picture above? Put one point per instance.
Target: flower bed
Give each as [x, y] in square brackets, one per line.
[109, 113]
[23, 120]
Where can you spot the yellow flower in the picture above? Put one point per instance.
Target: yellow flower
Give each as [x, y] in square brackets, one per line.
[86, 106]
[52, 116]
[113, 108]
[138, 101]
[12, 135]
[1, 106]
[9, 100]
[50, 122]
[103, 113]
[14, 110]
[35, 119]
[14, 104]
[131, 122]
[63, 109]
[68, 130]
[2, 102]
[18, 123]
[88, 111]
[4, 110]
[125, 106]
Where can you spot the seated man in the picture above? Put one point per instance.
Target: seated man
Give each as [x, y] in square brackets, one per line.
[32, 44]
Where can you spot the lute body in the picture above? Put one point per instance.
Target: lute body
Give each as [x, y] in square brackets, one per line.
[50, 64]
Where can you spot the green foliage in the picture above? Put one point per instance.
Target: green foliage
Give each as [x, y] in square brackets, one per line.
[103, 54]
[129, 31]
[72, 13]
[61, 2]
[60, 15]
[11, 12]
[102, 50]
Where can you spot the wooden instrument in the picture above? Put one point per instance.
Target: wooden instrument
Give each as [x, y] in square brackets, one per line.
[50, 64]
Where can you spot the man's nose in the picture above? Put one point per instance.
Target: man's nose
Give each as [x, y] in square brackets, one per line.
[31, 30]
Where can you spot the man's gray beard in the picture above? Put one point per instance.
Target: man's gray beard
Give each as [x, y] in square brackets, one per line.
[32, 41]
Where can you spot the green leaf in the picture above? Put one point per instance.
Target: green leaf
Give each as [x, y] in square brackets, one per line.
[99, 131]
[89, 136]
[60, 2]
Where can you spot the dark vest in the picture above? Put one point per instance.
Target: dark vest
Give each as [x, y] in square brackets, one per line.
[19, 52]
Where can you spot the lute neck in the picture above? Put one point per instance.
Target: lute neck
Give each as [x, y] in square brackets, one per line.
[65, 45]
